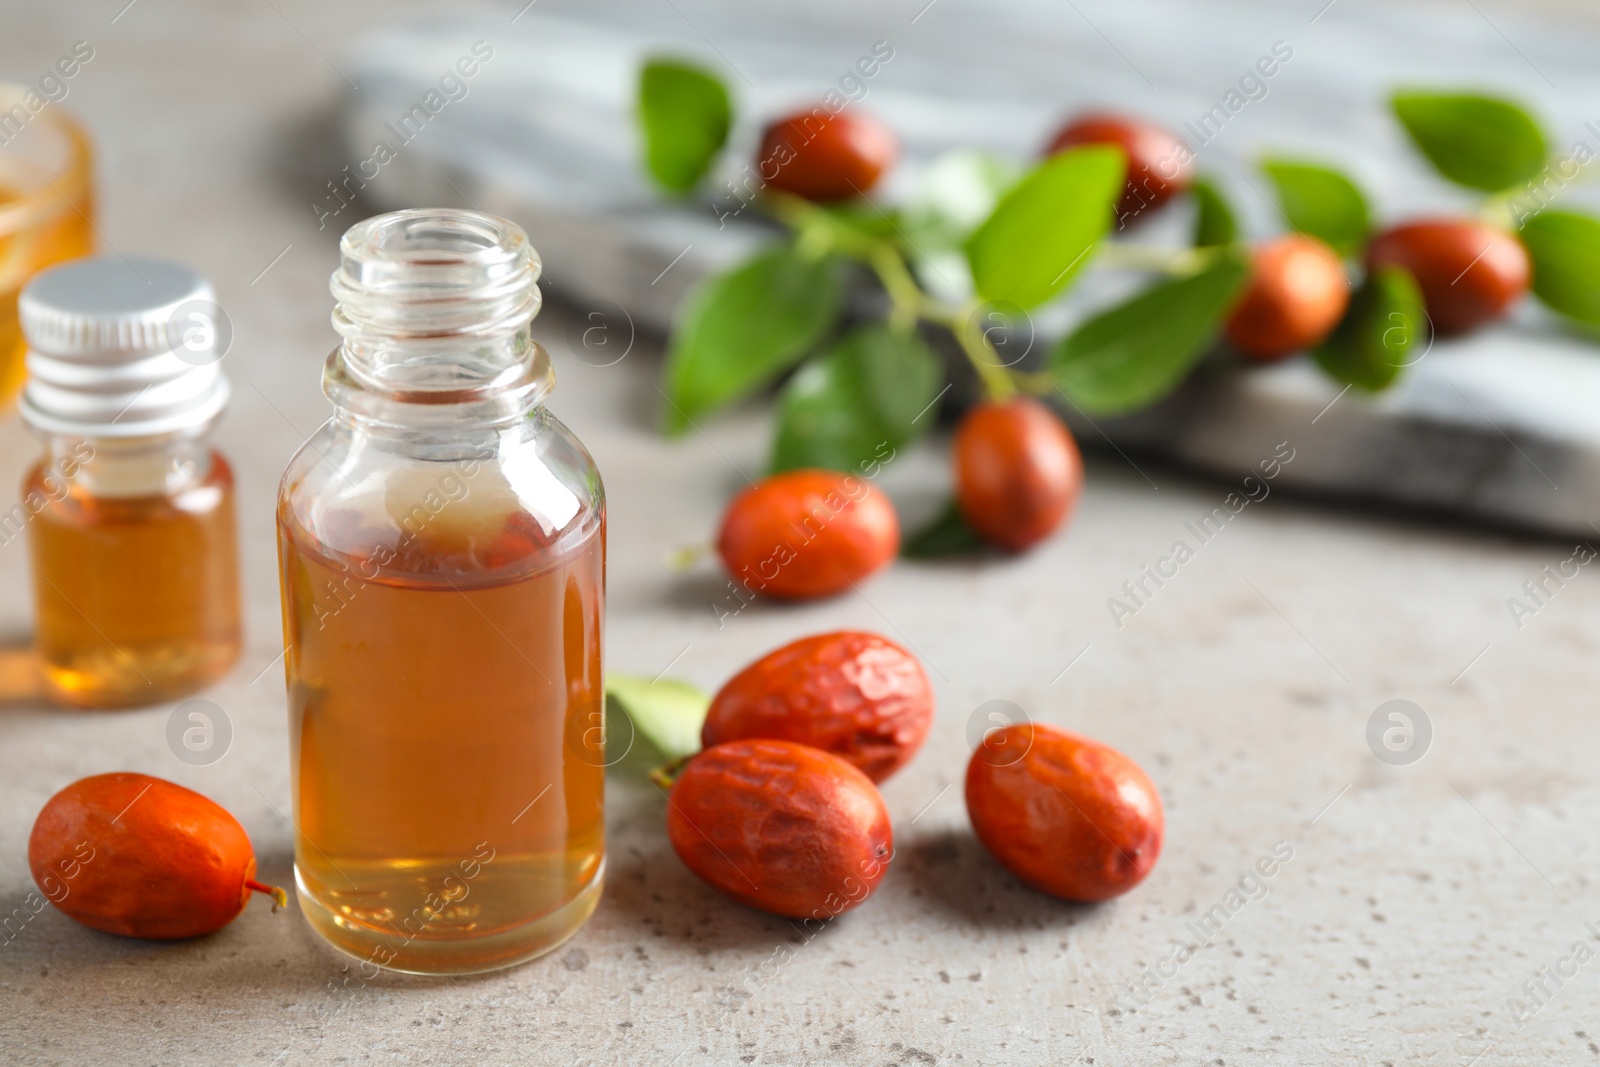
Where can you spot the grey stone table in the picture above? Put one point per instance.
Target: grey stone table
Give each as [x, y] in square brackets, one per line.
[1416, 903]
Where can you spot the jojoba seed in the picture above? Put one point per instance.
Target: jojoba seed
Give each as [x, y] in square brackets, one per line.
[824, 156]
[807, 533]
[1469, 273]
[1067, 815]
[1018, 472]
[1160, 164]
[1296, 295]
[857, 695]
[779, 826]
[139, 856]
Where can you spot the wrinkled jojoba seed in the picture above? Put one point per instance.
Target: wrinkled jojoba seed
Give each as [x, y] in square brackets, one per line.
[857, 695]
[785, 828]
[1067, 815]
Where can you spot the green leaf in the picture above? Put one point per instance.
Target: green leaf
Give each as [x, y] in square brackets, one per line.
[666, 713]
[684, 115]
[949, 201]
[868, 394]
[956, 193]
[739, 330]
[1565, 249]
[1320, 201]
[1481, 142]
[947, 535]
[1042, 232]
[1370, 345]
[1214, 222]
[1136, 353]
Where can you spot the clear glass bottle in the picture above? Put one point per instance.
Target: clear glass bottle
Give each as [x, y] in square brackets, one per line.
[442, 552]
[129, 513]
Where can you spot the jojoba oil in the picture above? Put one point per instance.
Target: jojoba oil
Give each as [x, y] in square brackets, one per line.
[137, 597]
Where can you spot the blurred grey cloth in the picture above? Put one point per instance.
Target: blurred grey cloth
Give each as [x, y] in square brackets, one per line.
[1500, 426]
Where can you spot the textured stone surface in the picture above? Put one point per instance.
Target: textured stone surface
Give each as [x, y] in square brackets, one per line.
[1412, 909]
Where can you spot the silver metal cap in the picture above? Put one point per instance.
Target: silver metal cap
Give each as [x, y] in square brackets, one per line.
[122, 348]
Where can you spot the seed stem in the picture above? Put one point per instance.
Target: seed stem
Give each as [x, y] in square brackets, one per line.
[666, 774]
[681, 559]
[280, 899]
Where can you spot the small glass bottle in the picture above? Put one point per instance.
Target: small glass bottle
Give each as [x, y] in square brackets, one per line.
[442, 548]
[129, 512]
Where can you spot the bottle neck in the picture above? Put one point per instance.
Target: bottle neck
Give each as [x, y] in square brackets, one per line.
[434, 308]
[158, 465]
[482, 403]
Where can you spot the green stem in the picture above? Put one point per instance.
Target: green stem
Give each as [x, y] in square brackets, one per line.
[809, 220]
[1495, 210]
[1176, 261]
[790, 210]
[818, 232]
[1037, 383]
[997, 379]
[905, 296]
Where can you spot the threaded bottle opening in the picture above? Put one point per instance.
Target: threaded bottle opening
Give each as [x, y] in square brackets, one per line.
[437, 301]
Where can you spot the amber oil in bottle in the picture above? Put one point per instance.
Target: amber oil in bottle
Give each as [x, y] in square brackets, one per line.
[442, 546]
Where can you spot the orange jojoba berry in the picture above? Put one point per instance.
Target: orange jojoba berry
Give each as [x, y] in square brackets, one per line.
[821, 155]
[1296, 295]
[1469, 273]
[1017, 470]
[1160, 164]
[139, 856]
[808, 533]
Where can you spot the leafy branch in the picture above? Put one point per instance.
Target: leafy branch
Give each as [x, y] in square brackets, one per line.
[980, 240]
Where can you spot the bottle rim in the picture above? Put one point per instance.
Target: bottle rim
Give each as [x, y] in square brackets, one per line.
[434, 305]
[410, 281]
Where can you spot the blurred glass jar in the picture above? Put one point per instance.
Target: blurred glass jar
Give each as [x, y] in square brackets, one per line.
[129, 512]
[46, 208]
